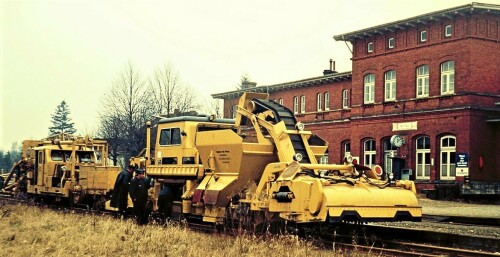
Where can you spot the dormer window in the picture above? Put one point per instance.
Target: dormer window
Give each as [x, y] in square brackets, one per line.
[370, 47]
[423, 36]
[390, 43]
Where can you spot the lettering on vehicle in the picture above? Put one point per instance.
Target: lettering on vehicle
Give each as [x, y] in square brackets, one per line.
[223, 156]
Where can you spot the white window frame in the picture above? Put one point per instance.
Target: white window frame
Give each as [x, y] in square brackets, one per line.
[390, 43]
[448, 31]
[323, 159]
[369, 153]
[280, 101]
[345, 99]
[422, 84]
[423, 36]
[319, 102]
[295, 105]
[327, 101]
[302, 104]
[447, 164]
[390, 86]
[235, 111]
[422, 159]
[388, 150]
[369, 89]
[346, 148]
[448, 78]
[369, 47]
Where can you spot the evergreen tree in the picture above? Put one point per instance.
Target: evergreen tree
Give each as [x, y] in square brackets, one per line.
[3, 163]
[6, 162]
[61, 121]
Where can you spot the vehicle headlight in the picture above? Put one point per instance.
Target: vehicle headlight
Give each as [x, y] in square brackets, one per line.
[300, 126]
[298, 157]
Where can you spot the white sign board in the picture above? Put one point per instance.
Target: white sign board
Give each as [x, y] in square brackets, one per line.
[462, 171]
[412, 125]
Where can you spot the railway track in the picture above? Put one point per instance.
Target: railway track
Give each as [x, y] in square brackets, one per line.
[405, 249]
[392, 241]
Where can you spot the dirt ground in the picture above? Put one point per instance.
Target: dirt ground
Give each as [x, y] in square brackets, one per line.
[452, 208]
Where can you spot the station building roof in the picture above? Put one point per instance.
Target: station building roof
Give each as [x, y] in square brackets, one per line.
[329, 78]
[421, 19]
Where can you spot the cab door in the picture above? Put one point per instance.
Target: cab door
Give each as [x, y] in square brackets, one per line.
[39, 167]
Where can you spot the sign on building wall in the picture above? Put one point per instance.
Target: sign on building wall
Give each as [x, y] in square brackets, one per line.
[412, 125]
[462, 164]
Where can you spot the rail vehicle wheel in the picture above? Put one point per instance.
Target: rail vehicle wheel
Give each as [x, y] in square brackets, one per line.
[97, 204]
[238, 215]
[76, 195]
[231, 219]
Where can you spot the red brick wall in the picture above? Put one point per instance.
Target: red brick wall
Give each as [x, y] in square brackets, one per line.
[474, 47]
[335, 89]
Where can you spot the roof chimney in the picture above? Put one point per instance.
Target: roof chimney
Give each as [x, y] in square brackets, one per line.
[332, 68]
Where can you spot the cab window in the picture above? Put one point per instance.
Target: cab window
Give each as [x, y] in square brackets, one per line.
[171, 136]
[56, 156]
[85, 157]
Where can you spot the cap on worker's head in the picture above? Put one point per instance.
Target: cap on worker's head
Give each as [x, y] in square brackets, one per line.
[132, 167]
[139, 171]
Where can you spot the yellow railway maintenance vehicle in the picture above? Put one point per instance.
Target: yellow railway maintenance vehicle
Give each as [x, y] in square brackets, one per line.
[64, 167]
[263, 166]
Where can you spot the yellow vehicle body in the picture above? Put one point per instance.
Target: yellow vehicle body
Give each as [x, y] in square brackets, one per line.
[266, 164]
[65, 167]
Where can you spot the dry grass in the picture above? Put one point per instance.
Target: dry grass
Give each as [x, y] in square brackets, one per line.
[32, 231]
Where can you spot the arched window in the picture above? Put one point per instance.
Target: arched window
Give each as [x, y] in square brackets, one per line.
[448, 149]
[369, 153]
[327, 101]
[448, 77]
[346, 148]
[423, 81]
[423, 157]
[280, 101]
[390, 86]
[302, 104]
[369, 89]
[295, 105]
[389, 151]
[319, 102]
[345, 99]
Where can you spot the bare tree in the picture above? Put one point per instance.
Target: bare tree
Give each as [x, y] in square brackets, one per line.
[112, 128]
[213, 106]
[169, 95]
[131, 101]
[125, 110]
[164, 84]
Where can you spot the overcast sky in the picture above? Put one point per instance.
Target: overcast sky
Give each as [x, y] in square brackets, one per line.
[55, 50]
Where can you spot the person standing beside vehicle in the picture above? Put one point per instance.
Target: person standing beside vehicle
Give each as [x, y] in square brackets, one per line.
[139, 186]
[119, 199]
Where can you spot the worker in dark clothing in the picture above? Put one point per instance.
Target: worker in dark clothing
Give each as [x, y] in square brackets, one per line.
[119, 198]
[138, 189]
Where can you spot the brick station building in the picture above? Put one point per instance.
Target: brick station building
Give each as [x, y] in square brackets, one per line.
[422, 100]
